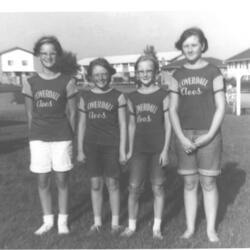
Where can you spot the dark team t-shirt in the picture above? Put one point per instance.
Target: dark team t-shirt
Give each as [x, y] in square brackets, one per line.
[102, 117]
[149, 115]
[195, 86]
[49, 120]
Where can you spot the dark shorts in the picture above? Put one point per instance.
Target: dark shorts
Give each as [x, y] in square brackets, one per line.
[102, 160]
[205, 160]
[143, 164]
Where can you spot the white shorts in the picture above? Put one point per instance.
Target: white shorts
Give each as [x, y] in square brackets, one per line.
[48, 156]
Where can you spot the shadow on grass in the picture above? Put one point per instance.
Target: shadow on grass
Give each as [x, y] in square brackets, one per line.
[229, 183]
[13, 145]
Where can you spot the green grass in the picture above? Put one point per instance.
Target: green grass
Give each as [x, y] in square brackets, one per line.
[21, 213]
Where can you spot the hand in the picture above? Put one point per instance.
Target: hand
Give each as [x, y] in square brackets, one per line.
[202, 140]
[129, 155]
[122, 158]
[163, 159]
[188, 145]
[81, 157]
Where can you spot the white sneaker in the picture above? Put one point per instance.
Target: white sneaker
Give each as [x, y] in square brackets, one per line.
[63, 229]
[43, 229]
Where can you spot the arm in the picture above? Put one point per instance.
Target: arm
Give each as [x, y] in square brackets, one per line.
[29, 110]
[123, 128]
[219, 97]
[167, 126]
[81, 128]
[187, 144]
[131, 129]
[71, 95]
[27, 92]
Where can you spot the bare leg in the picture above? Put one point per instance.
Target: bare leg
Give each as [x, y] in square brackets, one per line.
[210, 196]
[191, 203]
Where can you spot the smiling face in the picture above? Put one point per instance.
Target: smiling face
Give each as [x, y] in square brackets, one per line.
[146, 72]
[100, 77]
[48, 56]
[192, 48]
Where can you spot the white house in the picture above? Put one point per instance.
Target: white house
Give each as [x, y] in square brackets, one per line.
[15, 64]
[238, 67]
[124, 64]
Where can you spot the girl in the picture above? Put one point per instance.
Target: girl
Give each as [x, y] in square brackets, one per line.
[47, 95]
[197, 109]
[149, 136]
[102, 139]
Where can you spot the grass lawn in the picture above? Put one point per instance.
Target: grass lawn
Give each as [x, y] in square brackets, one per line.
[21, 213]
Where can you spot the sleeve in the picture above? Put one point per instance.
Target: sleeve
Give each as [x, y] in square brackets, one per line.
[122, 102]
[218, 81]
[81, 105]
[173, 85]
[71, 89]
[26, 89]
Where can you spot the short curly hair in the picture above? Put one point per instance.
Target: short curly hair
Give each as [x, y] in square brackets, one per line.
[48, 39]
[194, 31]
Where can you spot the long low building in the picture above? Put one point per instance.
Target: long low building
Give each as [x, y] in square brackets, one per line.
[124, 64]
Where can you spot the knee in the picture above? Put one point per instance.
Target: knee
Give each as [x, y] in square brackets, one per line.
[62, 183]
[190, 185]
[96, 186]
[113, 186]
[43, 183]
[135, 190]
[158, 190]
[208, 185]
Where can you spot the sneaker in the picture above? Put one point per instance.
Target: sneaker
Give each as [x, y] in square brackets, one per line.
[157, 235]
[63, 229]
[116, 229]
[94, 229]
[127, 232]
[43, 229]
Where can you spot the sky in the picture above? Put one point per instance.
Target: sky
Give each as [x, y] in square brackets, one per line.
[106, 28]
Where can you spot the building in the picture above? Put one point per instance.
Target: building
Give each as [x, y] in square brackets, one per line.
[16, 63]
[124, 64]
[238, 67]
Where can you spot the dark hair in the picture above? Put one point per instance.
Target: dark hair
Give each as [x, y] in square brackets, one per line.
[48, 39]
[147, 58]
[100, 62]
[192, 32]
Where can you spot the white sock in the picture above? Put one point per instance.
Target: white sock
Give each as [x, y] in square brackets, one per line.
[97, 220]
[132, 224]
[62, 224]
[115, 221]
[157, 224]
[48, 223]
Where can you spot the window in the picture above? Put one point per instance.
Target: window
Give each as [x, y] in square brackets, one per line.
[24, 62]
[10, 62]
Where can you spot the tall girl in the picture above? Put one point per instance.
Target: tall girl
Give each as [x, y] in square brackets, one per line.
[149, 135]
[102, 139]
[47, 96]
[197, 110]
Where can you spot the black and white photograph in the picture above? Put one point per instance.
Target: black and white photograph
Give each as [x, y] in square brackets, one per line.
[124, 124]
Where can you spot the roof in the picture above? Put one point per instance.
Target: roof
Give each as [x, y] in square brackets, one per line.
[177, 64]
[168, 56]
[244, 55]
[15, 48]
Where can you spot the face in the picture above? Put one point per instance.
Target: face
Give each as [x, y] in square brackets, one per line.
[48, 55]
[192, 48]
[146, 73]
[100, 77]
